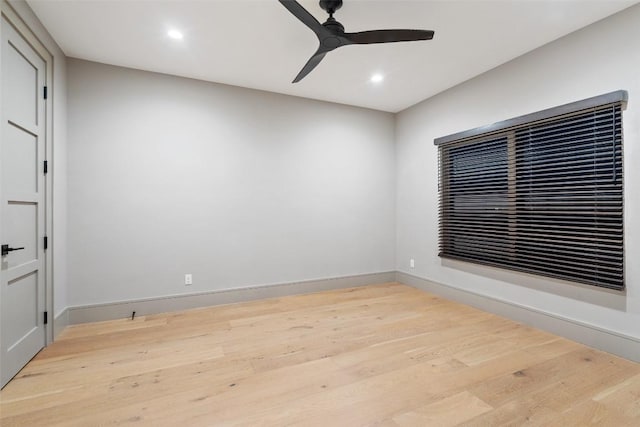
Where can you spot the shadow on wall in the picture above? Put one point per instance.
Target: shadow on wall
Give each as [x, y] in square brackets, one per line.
[616, 300]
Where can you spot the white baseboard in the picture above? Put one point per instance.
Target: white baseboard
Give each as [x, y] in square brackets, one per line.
[593, 336]
[123, 309]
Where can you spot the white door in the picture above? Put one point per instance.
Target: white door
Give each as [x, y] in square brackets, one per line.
[22, 197]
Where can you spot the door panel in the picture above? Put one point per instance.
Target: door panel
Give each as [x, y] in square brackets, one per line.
[23, 90]
[20, 175]
[21, 221]
[22, 199]
[23, 319]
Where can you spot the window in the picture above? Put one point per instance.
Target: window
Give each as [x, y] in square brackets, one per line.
[541, 193]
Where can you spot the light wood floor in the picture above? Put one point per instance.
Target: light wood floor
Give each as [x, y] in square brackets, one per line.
[384, 355]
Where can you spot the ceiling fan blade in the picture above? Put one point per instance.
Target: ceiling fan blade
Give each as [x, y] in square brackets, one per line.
[310, 65]
[388, 36]
[303, 15]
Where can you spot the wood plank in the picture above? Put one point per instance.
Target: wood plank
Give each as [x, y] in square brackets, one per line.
[449, 411]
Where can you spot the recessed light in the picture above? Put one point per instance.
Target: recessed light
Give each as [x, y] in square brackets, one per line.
[377, 78]
[175, 34]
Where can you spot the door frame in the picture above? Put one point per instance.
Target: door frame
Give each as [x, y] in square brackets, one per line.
[10, 14]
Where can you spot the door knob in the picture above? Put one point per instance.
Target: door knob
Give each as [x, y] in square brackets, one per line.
[6, 249]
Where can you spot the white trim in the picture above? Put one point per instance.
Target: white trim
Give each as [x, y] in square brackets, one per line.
[613, 342]
[610, 341]
[124, 309]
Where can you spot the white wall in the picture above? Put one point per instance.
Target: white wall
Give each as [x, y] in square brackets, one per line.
[58, 158]
[169, 176]
[598, 59]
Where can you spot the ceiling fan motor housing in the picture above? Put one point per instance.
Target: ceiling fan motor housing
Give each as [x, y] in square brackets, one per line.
[334, 26]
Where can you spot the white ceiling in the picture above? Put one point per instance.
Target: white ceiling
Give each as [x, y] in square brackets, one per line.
[259, 44]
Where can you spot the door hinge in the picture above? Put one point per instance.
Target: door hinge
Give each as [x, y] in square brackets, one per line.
[45, 92]
[46, 317]
[46, 166]
[46, 242]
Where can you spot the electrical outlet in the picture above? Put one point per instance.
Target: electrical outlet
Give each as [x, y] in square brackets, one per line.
[412, 263]
[188, 279]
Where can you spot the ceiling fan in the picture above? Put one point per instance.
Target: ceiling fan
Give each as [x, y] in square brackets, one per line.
[331, 34]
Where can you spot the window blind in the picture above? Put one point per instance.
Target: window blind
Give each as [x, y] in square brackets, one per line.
[540, 194]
